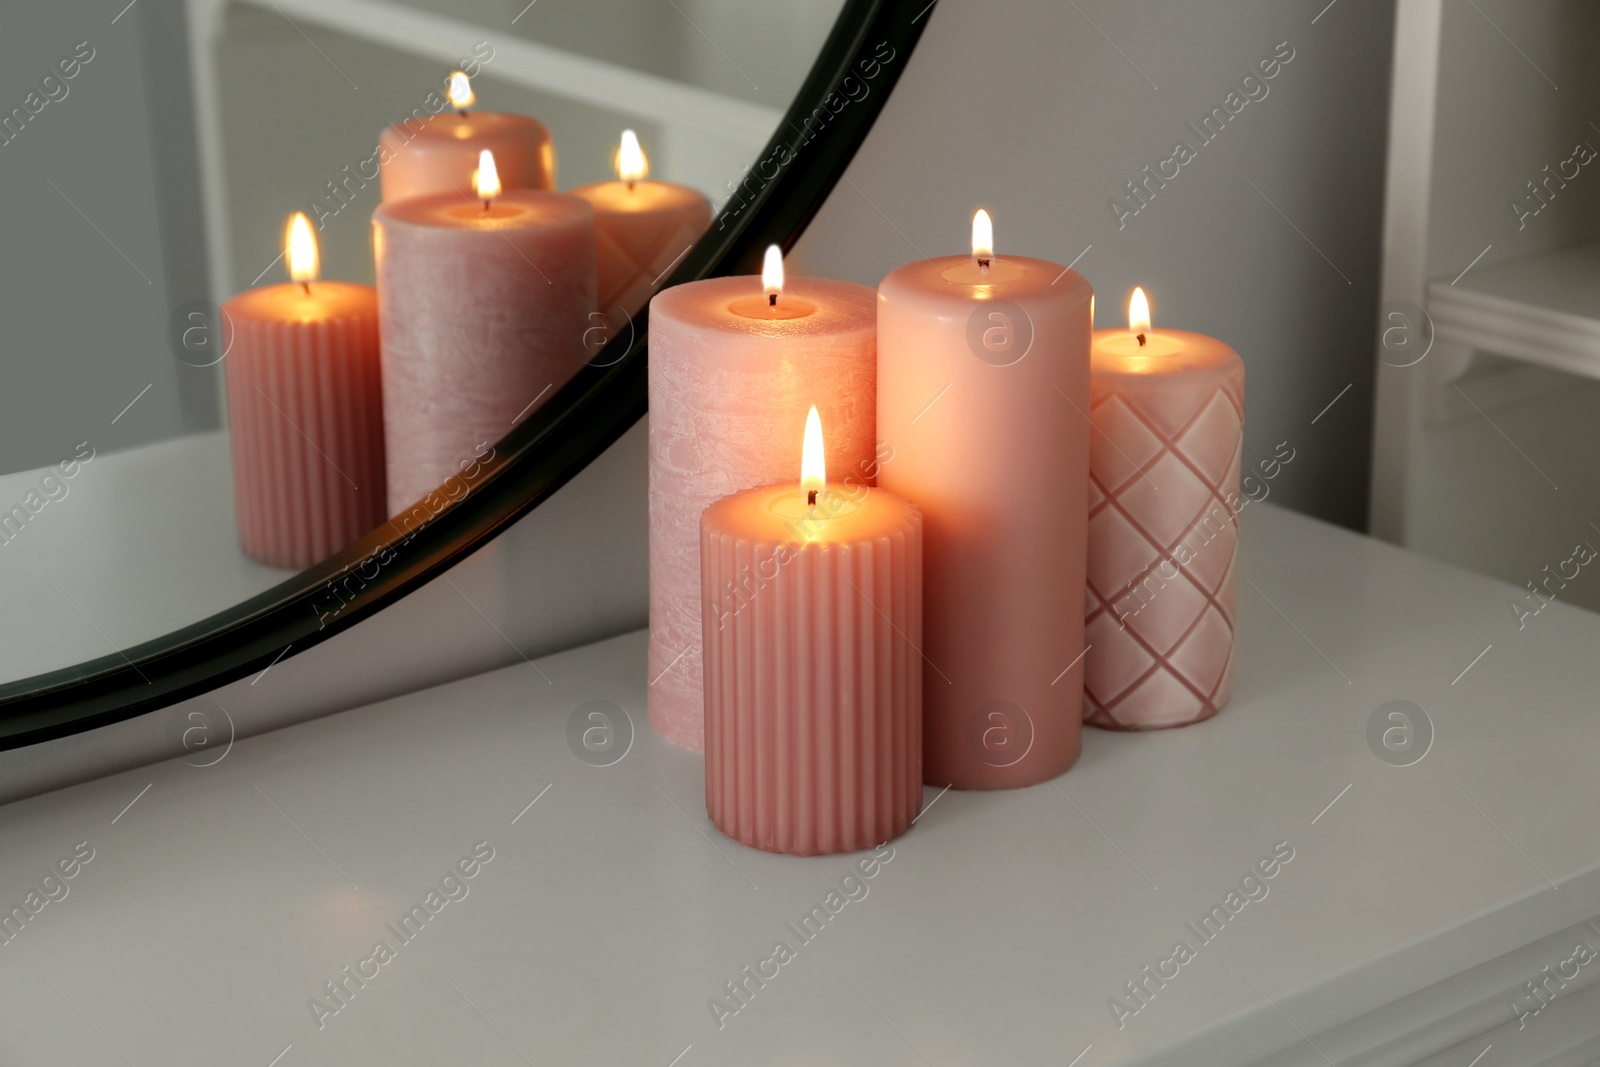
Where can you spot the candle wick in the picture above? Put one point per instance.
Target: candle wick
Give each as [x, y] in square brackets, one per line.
[461, 112]
[307, 287]
[630, 186]
[811, 498]
[772, 300]
[486, 211]
[983, 265]
[1141, 339]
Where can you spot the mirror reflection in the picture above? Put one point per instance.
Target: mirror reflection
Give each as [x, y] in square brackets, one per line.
[282, 269]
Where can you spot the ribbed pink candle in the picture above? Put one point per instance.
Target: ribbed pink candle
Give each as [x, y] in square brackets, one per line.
[305, 417]
[1163, 528]
[483, 317]
[983, 392]
[421, 158]
[730, 383]
[813, 676]
[643, 228]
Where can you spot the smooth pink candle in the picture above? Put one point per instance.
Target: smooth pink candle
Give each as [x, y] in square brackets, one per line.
[419, 157]
[983, 395]
[483, 317]
[731, 379]
[1163, 526]
[305, 416]
[813, 679]
[643, 228]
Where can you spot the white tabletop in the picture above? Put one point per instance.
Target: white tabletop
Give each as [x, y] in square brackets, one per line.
[140, 543]
[225, 896]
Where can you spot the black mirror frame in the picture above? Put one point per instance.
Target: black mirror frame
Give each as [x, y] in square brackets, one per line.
[858, 67]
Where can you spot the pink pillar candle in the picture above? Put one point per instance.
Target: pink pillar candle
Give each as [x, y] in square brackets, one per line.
[305, 417]
[421, 157]
[483, 316]
[731, 379]
[983, 390]
[642, 228]
[1163, 527]
[813, 680]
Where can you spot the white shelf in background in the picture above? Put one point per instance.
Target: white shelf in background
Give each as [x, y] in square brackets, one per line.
[1544, 309]
[537, 66]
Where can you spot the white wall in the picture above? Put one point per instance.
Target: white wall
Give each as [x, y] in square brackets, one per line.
[99, 233]
[1027, 109]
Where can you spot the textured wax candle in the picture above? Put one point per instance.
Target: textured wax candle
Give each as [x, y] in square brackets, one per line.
[813, 681]
[305, 412]
[731, 378]
[983, 395]
[420, 157]
[483, 316]
[642, 227]
[1163, 525]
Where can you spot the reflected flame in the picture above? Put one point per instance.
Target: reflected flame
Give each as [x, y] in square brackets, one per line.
[813, 464]
[300, 246]
[772, 276]
[982, 238]
[632, 166]
[461, 95]
[486, 179]
[1139, 314]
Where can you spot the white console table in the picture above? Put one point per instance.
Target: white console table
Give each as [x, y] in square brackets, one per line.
[220, 899]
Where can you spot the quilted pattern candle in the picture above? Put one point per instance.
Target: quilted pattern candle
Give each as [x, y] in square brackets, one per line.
[1168, 413]
[643, 228]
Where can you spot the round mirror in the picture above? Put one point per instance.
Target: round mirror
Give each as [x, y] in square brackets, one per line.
[310, 298]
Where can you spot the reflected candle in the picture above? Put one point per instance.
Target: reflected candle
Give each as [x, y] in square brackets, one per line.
[813, 679]
[437, 154]
[734, 364]
[983, 392]
[642, 227]
[1168, 408]
[484, 306]
[305, 412]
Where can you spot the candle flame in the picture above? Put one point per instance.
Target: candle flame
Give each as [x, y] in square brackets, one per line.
[486, 179]
[300, 247]
[982, 238]
[772, 274]
[1139, 314]
[632, 166]
[813, 464]
[461, 94]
